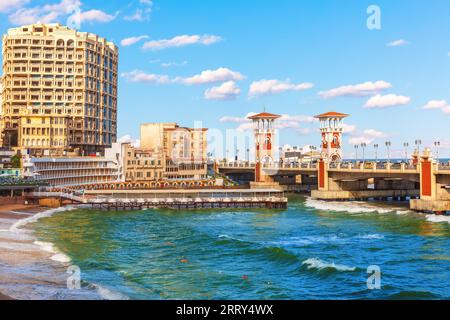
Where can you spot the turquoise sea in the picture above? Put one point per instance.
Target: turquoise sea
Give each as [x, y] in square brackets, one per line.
[312, 250]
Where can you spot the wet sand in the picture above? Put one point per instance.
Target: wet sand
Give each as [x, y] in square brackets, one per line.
[27, 270]
[9, 214]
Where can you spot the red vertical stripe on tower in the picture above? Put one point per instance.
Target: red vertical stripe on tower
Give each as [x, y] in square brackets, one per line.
[321, 174]
[426, 178]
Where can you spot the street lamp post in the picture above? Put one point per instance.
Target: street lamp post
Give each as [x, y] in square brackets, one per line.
[375, 146]
[437, 144]
[311, 149]
[418, 142]
[356, 153]
[236, 155]
[406, 145]
[280, 151]
[363, 147]
[388, 146]
[248, 155]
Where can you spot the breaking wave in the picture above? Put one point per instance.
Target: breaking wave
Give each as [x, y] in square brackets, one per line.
[352, 207]
[320, 265]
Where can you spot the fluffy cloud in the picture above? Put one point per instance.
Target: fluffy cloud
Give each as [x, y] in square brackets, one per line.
[142, 13]
[93, 15]
[55, 12]
[139, 15]
[142, 77]
[367, 136]
[9, 5]
[205, 77]
[181, 41]
[389, 100]
[45, 14]
[439, 105]
[212, 76]
[284, 122]
[226, 91]
[358, 90]
[397, 43]
[129, 139]
[266, 87]
[132, 40]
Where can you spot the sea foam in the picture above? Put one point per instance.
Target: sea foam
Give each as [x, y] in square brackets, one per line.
[16, 227]
[316, 263]
[437, 218]
[352, 207]
[108, 294]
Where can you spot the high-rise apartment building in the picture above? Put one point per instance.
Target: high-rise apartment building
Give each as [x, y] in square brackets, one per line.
[59, 90]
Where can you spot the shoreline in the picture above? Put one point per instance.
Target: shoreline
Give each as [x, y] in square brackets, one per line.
[29, 269]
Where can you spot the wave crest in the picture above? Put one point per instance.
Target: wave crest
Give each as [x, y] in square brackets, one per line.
[316, 263]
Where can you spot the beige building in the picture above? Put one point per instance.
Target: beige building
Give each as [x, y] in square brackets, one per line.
[142, 165]
[184, 149]
[59, 90]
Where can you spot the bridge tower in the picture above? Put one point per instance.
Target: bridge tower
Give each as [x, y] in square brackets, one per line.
[331, 127]
[264, 130]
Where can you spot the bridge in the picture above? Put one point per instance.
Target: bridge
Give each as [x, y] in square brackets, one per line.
[426, 182]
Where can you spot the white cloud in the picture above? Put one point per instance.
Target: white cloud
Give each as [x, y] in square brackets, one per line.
[132, 40]
[212, 76]
[367, 136]
[173, 64]
[205, 77]
[389, 100]
[358, 90]
[142, 77]
[44, 14]
[286, 121]
[266, 87]
[9, 5]
[129, 139]
[93, 15]
[139, 15]
[349, 128]
[437, 104]
[226, 91]
[55, 12]
[181, 41]
[397, 43]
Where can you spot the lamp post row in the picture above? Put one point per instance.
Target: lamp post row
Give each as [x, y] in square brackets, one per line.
[388, 144]
[363, 145]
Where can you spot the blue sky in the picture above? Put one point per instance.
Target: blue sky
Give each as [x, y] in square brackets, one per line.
[202, 57]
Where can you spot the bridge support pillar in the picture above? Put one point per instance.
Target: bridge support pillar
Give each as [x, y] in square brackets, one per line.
[322, 175]
[427, 177]
[429, 200]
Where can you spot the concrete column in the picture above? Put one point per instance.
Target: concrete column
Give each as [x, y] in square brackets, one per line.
[322, 175]
[427, 176]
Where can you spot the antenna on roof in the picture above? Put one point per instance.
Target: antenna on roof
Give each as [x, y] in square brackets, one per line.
[264, 107]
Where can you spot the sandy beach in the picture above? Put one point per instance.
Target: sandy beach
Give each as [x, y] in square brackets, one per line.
[29, 269]
[9, 214]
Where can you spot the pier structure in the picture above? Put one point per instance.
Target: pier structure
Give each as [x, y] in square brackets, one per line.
[172, 199]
